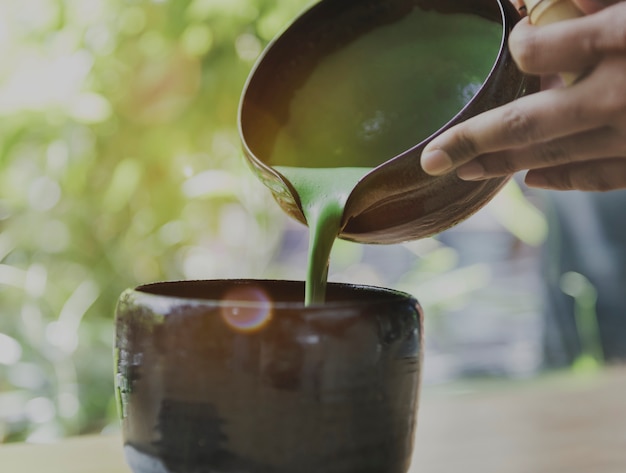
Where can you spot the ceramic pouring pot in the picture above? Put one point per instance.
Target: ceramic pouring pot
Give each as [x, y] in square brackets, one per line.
[396, 201]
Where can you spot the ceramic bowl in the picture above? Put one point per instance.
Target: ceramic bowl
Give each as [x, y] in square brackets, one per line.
[239, 376]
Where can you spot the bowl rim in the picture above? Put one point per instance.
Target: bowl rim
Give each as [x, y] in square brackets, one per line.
[159, 296]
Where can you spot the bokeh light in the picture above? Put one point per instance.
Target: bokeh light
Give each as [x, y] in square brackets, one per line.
[246, 308]
[120, 163]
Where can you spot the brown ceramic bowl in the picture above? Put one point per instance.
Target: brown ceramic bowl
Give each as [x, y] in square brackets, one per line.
[240, 376]
[396, 201]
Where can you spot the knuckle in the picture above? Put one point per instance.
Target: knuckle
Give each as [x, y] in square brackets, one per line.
[559, 178]
[551, 153]
[590, 45]
[464, 146]
[606, 34]
[520, 125]
[503, 165]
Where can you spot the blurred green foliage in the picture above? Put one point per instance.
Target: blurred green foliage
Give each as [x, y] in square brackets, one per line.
[119, 164]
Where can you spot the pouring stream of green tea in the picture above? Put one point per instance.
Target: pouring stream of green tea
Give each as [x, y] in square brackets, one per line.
[368, 101]
[323, 193]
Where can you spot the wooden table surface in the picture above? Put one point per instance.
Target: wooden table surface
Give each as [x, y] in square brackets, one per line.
[555, 424]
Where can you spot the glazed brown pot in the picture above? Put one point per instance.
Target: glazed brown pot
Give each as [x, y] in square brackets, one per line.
[239, 376]
[396, 201]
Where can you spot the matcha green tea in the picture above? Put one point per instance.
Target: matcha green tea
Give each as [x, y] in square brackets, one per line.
[385, 91]
[323, 193]
[367, 101]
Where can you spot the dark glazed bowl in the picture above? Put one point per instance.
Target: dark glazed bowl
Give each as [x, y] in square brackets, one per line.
[396, 201]
[239, 376]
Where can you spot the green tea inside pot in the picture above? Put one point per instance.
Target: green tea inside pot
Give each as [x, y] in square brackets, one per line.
[378, 93]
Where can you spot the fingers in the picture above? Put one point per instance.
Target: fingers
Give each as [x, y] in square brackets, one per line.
[592, 145]
[574, 45]
[592, 6]
[606, 175]
[549, 116]
[535, 118]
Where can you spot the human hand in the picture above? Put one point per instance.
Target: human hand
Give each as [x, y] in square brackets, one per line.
[569, 137]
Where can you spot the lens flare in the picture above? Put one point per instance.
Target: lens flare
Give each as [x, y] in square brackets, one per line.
[246, 309]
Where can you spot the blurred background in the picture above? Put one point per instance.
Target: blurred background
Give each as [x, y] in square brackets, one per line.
[120, 164]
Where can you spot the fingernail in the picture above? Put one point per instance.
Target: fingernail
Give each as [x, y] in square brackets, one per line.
[536, 180]
[436, 162]
[471, 171]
